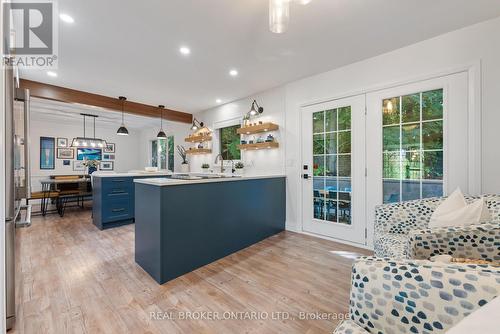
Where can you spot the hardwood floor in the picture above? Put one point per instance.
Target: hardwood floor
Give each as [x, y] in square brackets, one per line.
[73, 278]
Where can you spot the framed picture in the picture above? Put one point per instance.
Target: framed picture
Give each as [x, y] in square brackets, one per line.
[62, 142]
[78, 166]
[65, 153]
[66, 162]
[88, 153]
[107, 156]
[47, 153]
[110, 148]
[107, 165]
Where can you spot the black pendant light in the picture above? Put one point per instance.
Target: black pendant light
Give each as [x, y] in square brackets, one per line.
[161, 134]
[122, 131]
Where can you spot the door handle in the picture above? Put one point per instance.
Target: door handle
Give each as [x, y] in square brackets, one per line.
[306, 176]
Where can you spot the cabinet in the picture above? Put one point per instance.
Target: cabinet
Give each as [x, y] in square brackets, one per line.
[113, 201]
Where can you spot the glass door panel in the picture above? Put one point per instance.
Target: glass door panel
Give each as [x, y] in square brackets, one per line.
[412, 146]
[329, 147]
[332, 165]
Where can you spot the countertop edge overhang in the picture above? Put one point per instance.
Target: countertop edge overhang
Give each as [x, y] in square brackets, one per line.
[162, 182]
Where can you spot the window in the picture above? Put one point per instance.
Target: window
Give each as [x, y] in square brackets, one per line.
[170, 148]
[229, 141]
[159, 153]
[413, 146]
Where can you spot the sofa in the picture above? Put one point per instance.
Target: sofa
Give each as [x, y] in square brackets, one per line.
[402, 232]
[415, 296]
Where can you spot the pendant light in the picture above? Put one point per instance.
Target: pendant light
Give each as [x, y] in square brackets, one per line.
[161, 134]
[279, 15]
[122, 131]
[88, 141]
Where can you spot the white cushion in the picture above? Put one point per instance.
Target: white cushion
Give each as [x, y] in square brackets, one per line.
[485, 320]
[454, 212]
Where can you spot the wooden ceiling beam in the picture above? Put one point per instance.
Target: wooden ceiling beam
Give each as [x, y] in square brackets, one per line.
[68, 95]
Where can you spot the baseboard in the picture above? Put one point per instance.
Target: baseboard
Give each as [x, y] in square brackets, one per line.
[340, 241]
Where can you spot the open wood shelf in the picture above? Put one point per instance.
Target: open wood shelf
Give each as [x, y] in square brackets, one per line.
[198, 139]
[199, 151]
[258, 146]
[264, 127]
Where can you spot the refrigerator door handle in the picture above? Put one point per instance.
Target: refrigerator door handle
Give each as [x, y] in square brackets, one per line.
[26, 222]
[27, 159]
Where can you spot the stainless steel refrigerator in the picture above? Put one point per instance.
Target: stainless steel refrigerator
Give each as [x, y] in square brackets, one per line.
[17, 179]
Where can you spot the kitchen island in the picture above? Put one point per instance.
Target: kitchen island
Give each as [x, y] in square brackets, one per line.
[181, 225]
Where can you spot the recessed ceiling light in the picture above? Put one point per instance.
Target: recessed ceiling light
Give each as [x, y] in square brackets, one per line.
[66, 18]
[185, 50]
[218, 101]
[52, 74]
[233, 73]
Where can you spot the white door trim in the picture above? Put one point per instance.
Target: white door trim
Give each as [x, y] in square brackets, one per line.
[354, 233]
[474, 149]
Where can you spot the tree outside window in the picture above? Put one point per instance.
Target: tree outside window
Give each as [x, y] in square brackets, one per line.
[229, 141]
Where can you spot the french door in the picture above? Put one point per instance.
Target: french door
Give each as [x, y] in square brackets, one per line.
[417, 143]
[391, 145]
[333, 175]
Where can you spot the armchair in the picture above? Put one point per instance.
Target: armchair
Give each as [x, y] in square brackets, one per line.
[402, 231]
[413, 296]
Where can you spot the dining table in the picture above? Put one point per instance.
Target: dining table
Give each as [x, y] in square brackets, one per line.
[54, 184]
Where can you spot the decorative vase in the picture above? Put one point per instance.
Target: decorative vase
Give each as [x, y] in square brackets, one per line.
[185, 168]
[205, 170]
[92, 169]
[238, 171]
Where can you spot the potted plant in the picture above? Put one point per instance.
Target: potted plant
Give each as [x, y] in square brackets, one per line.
[91, 165]
[205, 167]
[238, 167]
[185, 165]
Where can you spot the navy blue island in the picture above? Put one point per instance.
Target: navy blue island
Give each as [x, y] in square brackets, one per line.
[181, 225]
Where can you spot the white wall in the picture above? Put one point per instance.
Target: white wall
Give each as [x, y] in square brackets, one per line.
[476, 44]
[126, 156]
[453, 50]
[257, 162]
[178, 130]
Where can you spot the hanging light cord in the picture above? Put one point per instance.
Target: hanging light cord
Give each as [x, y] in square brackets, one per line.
[123, 110]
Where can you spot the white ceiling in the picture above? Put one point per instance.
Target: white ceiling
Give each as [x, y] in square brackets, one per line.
[131, 48]
[60, 112]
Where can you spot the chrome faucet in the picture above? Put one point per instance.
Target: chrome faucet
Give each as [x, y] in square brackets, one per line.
[221, 162]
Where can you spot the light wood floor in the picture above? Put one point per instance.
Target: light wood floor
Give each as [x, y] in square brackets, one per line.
[73, 278]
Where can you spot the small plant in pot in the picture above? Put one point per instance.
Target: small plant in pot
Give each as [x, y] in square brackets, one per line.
[239, 167]
[91, 165]
[205, 167]
[185, 165]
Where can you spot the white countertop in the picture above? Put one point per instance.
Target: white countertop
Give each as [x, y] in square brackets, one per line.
[174, 182]
[131, 174]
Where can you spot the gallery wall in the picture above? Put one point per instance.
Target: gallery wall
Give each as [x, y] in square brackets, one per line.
[126, 147]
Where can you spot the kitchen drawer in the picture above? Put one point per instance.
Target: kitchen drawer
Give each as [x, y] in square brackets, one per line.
[118, 208]
[117, 185]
